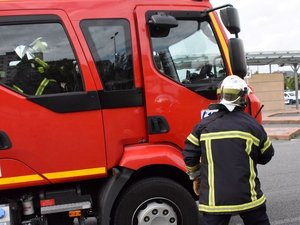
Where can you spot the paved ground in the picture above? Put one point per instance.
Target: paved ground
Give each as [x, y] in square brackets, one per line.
[280, 182]
[284, 124]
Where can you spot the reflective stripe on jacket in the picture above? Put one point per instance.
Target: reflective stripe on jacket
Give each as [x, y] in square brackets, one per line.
[230, 145]
[40, 89]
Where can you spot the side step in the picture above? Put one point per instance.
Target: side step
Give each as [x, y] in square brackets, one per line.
[63, 201]
[65, 207]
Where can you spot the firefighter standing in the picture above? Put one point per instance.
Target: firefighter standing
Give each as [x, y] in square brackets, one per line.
[221, 155]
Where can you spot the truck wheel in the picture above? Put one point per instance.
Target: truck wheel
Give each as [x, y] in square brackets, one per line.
[156, 201]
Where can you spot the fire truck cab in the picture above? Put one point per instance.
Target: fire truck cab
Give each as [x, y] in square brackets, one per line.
[96, 100]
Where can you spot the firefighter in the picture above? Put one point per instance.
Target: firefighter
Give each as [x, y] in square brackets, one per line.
[30, 78]
[31, 75]
[221, 155]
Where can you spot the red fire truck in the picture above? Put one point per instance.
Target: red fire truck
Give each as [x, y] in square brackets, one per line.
[96, 100]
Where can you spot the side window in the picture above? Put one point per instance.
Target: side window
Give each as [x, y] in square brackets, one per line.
[188, 54]
[37, 59]
[110, 45]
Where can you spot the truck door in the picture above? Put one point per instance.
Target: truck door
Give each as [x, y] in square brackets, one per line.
[111, 39]
[182, 65]
[50, 118]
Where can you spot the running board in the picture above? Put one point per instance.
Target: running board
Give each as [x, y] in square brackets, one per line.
[65, 207]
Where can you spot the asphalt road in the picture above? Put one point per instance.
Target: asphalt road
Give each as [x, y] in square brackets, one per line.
[280, 180]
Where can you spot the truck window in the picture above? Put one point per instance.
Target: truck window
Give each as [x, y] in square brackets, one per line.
[110, 45]
[189, 54]
[37, 59]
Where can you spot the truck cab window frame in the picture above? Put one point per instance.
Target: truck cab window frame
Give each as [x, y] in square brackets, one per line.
[188, 54]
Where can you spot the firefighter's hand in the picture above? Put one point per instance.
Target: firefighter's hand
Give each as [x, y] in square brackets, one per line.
[196, 186]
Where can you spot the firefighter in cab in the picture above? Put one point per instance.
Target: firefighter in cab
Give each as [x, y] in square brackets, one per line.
[32, 74]
[221, 155]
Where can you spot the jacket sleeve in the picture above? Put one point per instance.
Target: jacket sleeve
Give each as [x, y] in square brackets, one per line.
[192, 151]
[266, 148]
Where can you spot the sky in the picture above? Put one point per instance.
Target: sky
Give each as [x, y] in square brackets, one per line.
[268, 25]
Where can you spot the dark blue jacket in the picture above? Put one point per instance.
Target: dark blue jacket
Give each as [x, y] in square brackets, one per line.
[229, 146]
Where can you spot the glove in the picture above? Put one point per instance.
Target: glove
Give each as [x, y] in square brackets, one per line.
[196, 186]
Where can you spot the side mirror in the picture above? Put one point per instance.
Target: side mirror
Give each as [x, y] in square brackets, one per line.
[237, 57]
[230, 19]
[160, 24]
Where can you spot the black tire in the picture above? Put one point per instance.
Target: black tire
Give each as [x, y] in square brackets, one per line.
[155, 201]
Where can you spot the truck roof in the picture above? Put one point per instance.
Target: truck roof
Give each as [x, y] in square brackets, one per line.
[38, 4]
[84, 9]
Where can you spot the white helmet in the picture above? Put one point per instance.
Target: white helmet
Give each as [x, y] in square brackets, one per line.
[234, 91]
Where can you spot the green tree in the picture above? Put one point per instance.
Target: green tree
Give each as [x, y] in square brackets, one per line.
[289, 83]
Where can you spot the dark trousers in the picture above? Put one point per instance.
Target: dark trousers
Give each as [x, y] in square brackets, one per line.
[252, 217]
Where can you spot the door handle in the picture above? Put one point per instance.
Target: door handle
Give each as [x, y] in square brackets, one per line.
[157, 125]
[5, 142]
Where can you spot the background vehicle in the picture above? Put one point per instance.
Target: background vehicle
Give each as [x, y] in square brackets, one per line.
[289, 97]
[96, 101]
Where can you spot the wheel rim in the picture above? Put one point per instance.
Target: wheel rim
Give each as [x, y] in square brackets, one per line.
[156, 211]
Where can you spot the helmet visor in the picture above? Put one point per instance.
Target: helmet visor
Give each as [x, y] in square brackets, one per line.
[230, 95]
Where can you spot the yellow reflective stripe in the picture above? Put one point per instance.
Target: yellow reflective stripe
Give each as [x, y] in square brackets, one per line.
[230, 134]
[250, 140]
[17, 88]
[266, 145]
[252, 180]
[75, 173]
[56, 175]
[20, 179]
[248, 146]
[211, 178]
[222, 40]
[42, 86]
[41, 62]
[193, 168]
[232, 208]
[41, 69]
[252, 171]
[193, 139]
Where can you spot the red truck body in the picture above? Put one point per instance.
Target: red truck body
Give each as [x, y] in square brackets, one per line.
[86, 136]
